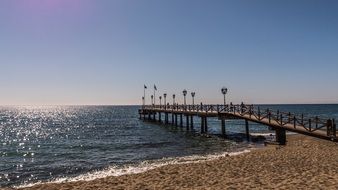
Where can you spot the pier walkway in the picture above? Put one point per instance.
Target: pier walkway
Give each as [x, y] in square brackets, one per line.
[279, 121]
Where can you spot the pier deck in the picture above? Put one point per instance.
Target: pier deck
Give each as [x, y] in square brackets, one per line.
[279, 121]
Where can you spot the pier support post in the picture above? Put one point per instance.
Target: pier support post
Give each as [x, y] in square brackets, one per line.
[223, 128]
[175, 119]
[187, 120]
[281, 136]
[166, 118]
[181, 120]
[191, 122]
[206, 124]
[149, 116]
[202, 124]
[334, 128]
[172, 119]
[159, 117]
[331, 128]
[247, 133]
[154, 116]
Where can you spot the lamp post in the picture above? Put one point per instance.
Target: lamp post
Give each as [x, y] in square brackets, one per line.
[173, 99]
[143, 101]
[193, 98]
[160, 101]
[144, 94]
[155, 89]
[152, 97]
[165, 102]
[185, 94]
[224, 92]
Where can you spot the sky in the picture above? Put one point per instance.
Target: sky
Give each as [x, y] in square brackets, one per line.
[86, 52]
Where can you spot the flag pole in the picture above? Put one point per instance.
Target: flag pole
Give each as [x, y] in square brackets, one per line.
[154, 95]
[144, 94]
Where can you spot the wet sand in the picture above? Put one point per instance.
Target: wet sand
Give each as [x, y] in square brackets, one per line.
[305, 163]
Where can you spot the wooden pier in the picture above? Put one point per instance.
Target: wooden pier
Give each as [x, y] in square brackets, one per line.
[279, 121]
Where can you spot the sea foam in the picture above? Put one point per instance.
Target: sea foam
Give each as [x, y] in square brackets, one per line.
[139, 168]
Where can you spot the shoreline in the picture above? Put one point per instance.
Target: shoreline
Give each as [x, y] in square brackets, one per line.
[147, 165]
[304, 162]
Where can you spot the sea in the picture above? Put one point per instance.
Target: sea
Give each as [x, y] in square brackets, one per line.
[69, 143]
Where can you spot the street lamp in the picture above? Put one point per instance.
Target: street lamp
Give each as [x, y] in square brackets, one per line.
[224, 92]
[184, 94]
[165, 102]
[173, 99]
[152, 97]
[143, 100]
[160, 101]
[193, 97]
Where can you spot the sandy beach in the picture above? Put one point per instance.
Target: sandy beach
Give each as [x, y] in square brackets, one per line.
[305, 163]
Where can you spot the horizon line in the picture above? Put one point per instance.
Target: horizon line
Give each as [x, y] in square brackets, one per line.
[4, 105]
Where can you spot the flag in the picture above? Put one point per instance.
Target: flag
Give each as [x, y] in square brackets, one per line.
[145, 87]
[155, 87]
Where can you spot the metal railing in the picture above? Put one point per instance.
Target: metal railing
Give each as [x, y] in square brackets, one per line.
[255, 113]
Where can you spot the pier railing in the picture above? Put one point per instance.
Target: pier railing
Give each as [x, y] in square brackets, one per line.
[255, 113]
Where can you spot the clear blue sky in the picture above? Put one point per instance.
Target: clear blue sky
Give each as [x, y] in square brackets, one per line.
[102, 52]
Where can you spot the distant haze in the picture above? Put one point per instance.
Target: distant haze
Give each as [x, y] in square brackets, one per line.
[102, 52]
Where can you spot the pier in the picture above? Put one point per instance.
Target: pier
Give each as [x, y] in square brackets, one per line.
[280, 122]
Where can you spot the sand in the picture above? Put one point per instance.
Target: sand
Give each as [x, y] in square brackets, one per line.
[305, 163]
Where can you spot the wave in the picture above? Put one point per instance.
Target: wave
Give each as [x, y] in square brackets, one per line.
[270, 134]
[139, 168]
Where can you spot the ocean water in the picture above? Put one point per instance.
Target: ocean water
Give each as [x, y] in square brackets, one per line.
[60, 143]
